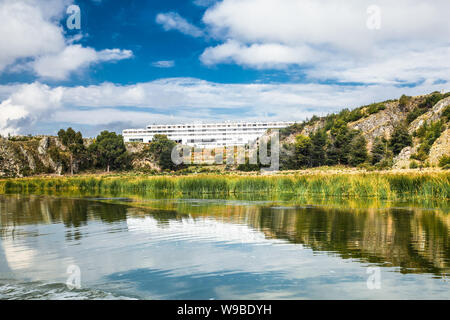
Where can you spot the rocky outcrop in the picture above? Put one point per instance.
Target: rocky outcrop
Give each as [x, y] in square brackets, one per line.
[28, 156]
[440, 147]
[141, 161]
[402, 160]
[380, 124]
[434, 114]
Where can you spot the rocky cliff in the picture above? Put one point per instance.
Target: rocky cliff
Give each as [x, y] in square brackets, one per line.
[30, 155]
[26, 156]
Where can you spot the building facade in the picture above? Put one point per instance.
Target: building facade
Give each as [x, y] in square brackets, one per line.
[206, 135]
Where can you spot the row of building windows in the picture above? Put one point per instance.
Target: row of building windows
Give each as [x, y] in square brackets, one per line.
[219, 131]
[205, 134]
[218, 125]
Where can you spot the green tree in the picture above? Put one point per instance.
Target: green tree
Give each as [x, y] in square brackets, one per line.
[338, 148]
[358, 150]
[318, 144]
[403, 101]
[110, 152]
[432, 99]
[444, 162]
[74, 142]
[160, 149]
[400, 139]
[303, 151]
[446, 114]
[428, 134]
[378, 151]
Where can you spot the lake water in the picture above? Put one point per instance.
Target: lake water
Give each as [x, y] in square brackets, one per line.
[144, 248]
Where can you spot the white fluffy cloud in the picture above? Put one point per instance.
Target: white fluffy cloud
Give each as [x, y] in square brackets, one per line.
[29, 104]
[75, 58]
[332, 40]
[181, 100]
[26, 32]
[173, 21]
[32, 35]
[267, 55]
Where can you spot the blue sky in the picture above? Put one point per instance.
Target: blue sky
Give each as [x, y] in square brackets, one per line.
[134, 62]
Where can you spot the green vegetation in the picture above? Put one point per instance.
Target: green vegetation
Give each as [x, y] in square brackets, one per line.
[334, 143]
[340, 145]
[424, 106]
[446, 114]
[375, 108]
[403, 101]
[337, 146]
[444, 162]
[160, 150]
[428, 134]
[413, 165]
[303, 146]
[432, 99]
[400, 139]
[414, 114]
[108, 151]
[248, 167]
[383, 186]
[379, 150]
[344, 116]
[74, 142]
[358, 151]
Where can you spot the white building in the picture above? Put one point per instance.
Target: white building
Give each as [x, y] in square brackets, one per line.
[206, 135]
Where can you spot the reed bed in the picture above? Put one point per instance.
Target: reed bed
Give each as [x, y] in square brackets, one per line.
[378, 185]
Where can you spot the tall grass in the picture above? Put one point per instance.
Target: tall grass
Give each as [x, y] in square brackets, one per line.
[378, 185]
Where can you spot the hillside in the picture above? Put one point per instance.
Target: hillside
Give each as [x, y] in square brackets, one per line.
[379, 120]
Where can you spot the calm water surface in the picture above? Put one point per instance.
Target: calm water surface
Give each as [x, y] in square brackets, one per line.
[221, 249]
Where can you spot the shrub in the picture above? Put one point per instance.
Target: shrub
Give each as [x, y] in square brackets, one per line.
[446, 114]
[431, 100]
[413, 165]
[444, 162]
[403, 101]
[414, 114]
[400, 139]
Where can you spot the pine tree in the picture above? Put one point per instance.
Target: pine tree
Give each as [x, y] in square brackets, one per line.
[74, 142]
[358, 150]
[318, 152]
[303, 151]
[400, 139]
[110, 151]
[161, 149]
[378, 151]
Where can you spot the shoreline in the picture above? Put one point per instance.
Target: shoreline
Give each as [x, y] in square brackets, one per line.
[419, 184]
[309, 171]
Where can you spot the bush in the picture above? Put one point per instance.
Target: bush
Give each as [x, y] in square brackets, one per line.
[375, 108]
[444, 162]
[403, 101]
[400, 139]
[432, 99]
[354, 115]
[247, 167]
[414, 114]
[413, 165]
[446, 114]
[428, 134]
